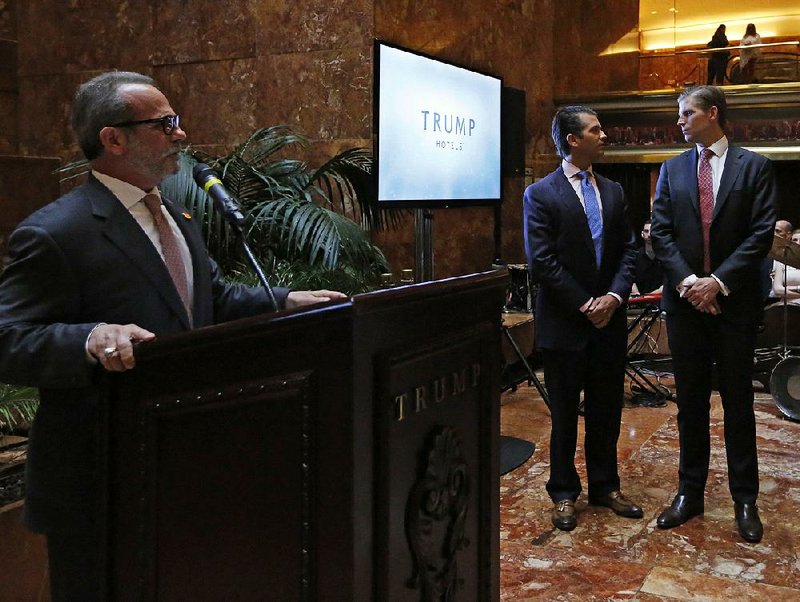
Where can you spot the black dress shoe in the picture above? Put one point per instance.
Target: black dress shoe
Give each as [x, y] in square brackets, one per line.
[748, 521]
[617, 502]
[564, 515]
[682, 509]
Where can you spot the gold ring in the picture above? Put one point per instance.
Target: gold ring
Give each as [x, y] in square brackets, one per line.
[110, 352]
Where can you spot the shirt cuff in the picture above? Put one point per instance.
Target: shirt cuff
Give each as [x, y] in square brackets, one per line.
[685, 284]
[723, 288]
[616, 296]
[89, 357]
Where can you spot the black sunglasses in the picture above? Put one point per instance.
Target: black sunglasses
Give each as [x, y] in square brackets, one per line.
[169, 123]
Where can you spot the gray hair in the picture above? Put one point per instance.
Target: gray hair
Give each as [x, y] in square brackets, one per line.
[98, 103]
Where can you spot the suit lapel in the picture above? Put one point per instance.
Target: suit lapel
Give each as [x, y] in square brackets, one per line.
[564, 191]
[607, 200]
[733, 165]
[690, 177]
[125, 233]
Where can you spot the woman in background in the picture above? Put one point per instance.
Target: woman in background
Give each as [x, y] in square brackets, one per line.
[748, 57]
[718, 61]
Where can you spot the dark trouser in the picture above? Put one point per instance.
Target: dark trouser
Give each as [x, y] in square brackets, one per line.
[716, 70]
[73, 566]
[598, 370]
[696, 340]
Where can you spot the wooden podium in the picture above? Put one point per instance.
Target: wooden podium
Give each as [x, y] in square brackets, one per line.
[345, 452]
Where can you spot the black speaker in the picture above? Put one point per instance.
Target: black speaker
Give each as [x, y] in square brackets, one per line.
[512, 132]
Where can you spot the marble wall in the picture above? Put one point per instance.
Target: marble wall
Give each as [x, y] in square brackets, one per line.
[582, 31]
[8, 77]
[231, 67]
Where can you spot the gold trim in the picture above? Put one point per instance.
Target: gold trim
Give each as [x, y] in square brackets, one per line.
[641, 154]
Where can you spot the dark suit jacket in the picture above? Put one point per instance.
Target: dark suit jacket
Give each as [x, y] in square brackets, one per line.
[741, 230]
[562, 262]
[78, 261]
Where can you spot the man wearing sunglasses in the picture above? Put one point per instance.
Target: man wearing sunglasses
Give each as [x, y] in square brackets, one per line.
[107, 265]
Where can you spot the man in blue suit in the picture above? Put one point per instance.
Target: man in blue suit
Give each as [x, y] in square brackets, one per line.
[109, 264]
[582, 253]
[713, 220]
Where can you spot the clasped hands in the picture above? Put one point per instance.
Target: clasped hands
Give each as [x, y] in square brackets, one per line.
[702, 294]
[601, 309]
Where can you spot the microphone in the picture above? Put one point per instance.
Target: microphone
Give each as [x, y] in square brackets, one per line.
[206, 178]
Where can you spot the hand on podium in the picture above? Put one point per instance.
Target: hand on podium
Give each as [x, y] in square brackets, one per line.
[301, 298]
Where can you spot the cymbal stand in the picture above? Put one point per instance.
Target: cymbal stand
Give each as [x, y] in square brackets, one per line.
[785, 353]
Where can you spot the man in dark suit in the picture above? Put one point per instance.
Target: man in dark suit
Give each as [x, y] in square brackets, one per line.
[582, 252]
[712, 225]
[90, 275]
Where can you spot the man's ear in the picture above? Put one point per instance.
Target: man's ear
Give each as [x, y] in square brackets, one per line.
[572, 139]
[713, 113]
[114, 140]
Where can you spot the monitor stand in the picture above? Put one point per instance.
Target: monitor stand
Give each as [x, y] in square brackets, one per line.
[423, 245]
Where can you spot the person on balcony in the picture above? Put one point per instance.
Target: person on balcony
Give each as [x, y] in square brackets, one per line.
[748, 57]
[718, 61]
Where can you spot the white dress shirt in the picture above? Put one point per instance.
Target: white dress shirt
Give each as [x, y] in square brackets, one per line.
[717, 163]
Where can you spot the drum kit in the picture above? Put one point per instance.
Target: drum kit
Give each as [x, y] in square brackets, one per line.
[785, 378]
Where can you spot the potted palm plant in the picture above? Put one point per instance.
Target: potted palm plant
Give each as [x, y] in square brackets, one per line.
[17, 409]
[308, 226]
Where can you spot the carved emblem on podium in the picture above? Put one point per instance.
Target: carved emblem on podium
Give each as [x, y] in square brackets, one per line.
[435, 515]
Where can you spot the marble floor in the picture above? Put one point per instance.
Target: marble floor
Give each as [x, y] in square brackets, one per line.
[613, 558]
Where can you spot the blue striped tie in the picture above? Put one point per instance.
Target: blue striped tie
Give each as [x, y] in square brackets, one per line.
[592, 214]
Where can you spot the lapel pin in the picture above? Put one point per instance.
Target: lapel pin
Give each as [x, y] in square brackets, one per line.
[186, 215]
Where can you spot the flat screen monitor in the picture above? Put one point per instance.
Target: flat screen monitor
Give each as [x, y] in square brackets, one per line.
[437, 131]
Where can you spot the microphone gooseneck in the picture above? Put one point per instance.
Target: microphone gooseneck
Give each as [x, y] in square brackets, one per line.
[207, 179]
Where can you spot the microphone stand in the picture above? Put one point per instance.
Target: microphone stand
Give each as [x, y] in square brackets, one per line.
[236, 223]
[259, 271]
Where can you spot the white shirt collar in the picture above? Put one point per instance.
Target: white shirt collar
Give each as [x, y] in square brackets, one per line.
[571, 170]
[720, 147]
[128, 194]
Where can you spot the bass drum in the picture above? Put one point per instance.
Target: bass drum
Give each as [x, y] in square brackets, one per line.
[785, 386]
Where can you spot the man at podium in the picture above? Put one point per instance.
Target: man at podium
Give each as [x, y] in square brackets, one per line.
[108, 265]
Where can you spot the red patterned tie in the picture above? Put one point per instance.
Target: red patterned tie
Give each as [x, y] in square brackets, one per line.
[705, 186]
[170, 249]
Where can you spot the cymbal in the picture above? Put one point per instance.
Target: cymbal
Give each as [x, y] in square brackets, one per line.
[785, 251]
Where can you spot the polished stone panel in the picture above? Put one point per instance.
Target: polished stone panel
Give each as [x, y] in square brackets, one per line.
[189, 31]
[325, 95]
[8, 19]
[609, 557]
[215, 99]
[291, 26]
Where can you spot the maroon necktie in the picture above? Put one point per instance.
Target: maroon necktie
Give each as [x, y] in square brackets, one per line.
[705, 186]
[170, 249]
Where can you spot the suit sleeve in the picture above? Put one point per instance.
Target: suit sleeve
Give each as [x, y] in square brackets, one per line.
[38, 296]
[540, 247]
[235, 301]
[662, 232]
[623, 278]
[737, 268]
